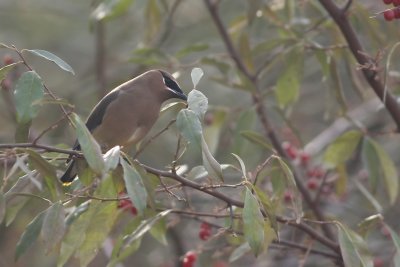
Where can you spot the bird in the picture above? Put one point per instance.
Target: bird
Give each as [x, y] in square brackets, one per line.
[127, 113]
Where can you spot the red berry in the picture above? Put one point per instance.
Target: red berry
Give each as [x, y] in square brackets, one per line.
[397, 13]
[304, 158]
[290, 150]
[378, 262]
[387, 2]
[189, 259]
[204, 234]
[208, 118]
[133, 210]
[385, 231]
[312, 183]
[288, 196]
[7, 59]
[205, 225]
[124, 203]
[316, 172]
[388, 14]
[396, 2]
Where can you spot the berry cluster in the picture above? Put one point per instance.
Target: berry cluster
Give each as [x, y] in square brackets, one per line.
[189, 259]
[126, 204]
[393, 13]
[302, 158]
[205, 231]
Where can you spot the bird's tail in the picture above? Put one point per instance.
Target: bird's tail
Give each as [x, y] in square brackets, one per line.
[69, 174]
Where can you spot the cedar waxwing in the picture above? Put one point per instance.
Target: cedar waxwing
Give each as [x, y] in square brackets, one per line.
[126, 114]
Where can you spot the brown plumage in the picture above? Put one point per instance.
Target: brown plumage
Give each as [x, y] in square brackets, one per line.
[126, 114]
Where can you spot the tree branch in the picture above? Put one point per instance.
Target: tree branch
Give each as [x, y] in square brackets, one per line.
[370, 74]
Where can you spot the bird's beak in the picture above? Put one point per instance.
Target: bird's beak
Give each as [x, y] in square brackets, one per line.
[181, 96]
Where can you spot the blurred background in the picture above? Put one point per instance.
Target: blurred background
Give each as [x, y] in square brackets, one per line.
[178, 36]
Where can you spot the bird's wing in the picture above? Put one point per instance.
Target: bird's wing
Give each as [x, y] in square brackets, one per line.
[96, 116]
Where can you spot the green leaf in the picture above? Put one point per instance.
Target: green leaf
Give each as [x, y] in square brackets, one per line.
[111, 158]
[22, 132]
[134, 186]
[198, 103]
[389, 172]
[291, 183]
[253, 222]
[159, 230]
[210, 163]
[342, 148]
[2, 207]
[197, 172]
[257, 139]
[371, 162]
[6, 69]
[76, 234]
[97, 231]
[46, 169]
[191, 49]
[51, 57]
[242, 165]
[213, 129]
[143, 228]
[288, 84]
[29, 236]
[239, 252]
[189, 125]
[196, 75]
[269, 209]
[90, 148]
[245, 51]
[353, 247]
[369, 223]
[14, 202]
[29, 88]
[374, 202]
[54, 227]
[109, 9]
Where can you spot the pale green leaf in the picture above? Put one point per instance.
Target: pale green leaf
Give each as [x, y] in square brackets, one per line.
[253, 222]
[196, 75]
[6, 69]
[197, 172]
[291, 183]
[29, 236]
[239, 252]
[97, 231]
[389, 172]
[46, 169]
[109, 9]
[242, 165]
[29, 88]
[353, 247]
[288, 84]
[369, 223]
[189, 125]
[51, 57]
[54, 227]
[371, 162]
[342, 148]
[144, 227]
[111, 158]
[198, 103]
[134, 186]
[210, 163]
[257, 139]
[90, 148]
[374, 202]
